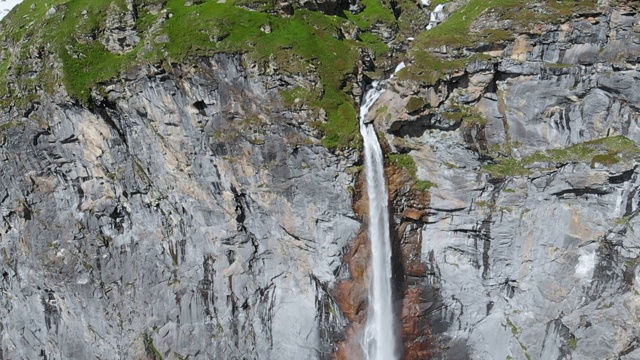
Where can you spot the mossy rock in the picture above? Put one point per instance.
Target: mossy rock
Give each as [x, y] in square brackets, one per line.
[605, 151]
[415, 104]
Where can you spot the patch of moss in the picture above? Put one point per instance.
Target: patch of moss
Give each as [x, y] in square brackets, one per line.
[573, 342]
[425, 185]
[381, 110]
[406, 162]
[506, 168]
[7, 126]
[414, 104]
[606, 151]
[428, 68]
[152, 351]
[468, 115]
[514, 329]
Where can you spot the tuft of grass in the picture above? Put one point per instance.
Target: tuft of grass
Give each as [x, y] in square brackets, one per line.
[573, 342]
[150, 348]
[423, 185]
[606, 151]
[8, 125]
[506, 168]
[428, 68]
[414, 104]
[514, 329]
[406, 162]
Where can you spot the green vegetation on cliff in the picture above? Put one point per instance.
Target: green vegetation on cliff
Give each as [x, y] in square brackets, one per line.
[605, 151]
[62, 42]
[466, 28]
[405, 161]
[71, 33]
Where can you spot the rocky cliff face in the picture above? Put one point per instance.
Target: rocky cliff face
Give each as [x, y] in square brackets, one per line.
[203, 199]
[180, 218]
[530, 243]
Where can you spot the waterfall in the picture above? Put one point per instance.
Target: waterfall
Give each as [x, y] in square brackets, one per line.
[380, 337]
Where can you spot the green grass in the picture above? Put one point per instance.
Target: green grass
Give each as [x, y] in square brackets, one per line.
[150, 348]
[406, 162]
[514, 329]
[428, 69]
[305, 43]
[375, 11]
[425, 185]
[455, 32]
[455, 29]
[7, 126]
[605, 151]
[506, 168]
[415, 103]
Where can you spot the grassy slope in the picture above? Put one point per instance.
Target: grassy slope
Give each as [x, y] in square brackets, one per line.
[298, 43]
[305, 41]
[455, 32]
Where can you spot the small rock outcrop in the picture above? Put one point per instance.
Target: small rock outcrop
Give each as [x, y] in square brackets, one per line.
[120, 35]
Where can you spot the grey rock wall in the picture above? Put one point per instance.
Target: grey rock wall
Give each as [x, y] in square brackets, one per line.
[540, 265]
[188, 215]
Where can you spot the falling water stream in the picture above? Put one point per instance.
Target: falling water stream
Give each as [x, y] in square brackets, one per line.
[380, 334]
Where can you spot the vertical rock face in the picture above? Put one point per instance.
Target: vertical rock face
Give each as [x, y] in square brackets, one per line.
[529, 247]
[191, 212]
[187, 216]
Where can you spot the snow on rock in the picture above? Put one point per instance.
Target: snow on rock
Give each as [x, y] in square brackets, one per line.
[6, 6]
[437, 16]
[586, 265]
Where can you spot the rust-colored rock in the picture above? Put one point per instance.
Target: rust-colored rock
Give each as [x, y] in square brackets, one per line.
[415, 214]
[415, 331]
[351, 296]
[411, 250]
[351, 349]
[410, 206]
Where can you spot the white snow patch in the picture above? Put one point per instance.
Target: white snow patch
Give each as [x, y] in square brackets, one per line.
[586, 265]
[400, 66]
[425, 2]
[6, 6]
[436, 17]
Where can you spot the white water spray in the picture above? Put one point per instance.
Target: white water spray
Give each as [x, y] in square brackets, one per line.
[380, 337]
